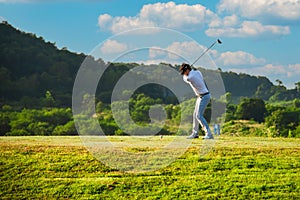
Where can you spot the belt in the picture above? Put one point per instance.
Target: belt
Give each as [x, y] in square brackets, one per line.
[202, 95]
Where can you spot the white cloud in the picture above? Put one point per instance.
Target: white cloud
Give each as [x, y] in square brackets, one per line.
[155, 52]
[270, 69]
[239, 58]
[168, 15]
[227, 21]
[120, 24]
[232, 20]
[187, 50]
[156, 61]
[293, 70]
[270, 10]
[247, 29]
[185, 18]
[289, 74]
[113, 47]
[104, 20]
[183, 51]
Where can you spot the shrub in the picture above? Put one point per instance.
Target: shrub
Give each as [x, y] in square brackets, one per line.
[251, 109]
[283, 120]
[66, 129]
[243, 127]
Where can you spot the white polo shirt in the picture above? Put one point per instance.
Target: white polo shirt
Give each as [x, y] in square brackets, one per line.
[196, 81]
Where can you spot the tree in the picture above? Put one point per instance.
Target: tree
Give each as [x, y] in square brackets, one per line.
[297, 86]
[251, 109]
[226, 98]
[139, 107]
[4, 123]
[296, 103]
[279, 82]
[48, 101]
[230, 112]
[282, 121]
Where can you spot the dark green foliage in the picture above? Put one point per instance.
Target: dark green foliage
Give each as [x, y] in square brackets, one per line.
[54, 121]
[284, 122]
[282, 94]
[243, 85]
[246, 86]
[30, 66]
[230, 112]
[109, 79]
[4, 123]
[282, 119]
[296, 103]
[106, 120]
[66, 129]
[251, 109]
[139, 107]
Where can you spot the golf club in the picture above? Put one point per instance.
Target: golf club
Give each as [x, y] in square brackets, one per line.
[218, 41]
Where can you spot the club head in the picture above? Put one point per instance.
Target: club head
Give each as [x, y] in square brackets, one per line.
[219, 41]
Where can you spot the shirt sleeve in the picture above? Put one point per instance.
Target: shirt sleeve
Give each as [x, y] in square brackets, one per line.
[185, 78]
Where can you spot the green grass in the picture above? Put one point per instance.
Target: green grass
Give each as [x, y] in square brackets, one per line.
[237, 168]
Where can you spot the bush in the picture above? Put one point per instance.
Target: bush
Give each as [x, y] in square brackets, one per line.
[18, 132]
[251, 109]
[66, 129]
[296, 132]
[4, 123]
[243, 128]
[281, 121]
[39, 128]
[38, 122]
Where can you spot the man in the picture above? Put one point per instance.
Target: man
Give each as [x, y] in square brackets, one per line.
[196, 81]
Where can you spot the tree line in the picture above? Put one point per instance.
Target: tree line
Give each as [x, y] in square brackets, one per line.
[278, 120]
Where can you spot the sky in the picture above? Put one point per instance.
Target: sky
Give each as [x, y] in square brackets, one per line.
[259, 37]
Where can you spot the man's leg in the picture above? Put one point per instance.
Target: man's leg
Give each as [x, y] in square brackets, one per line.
[203, 104]
[195, 116]
[195, 120]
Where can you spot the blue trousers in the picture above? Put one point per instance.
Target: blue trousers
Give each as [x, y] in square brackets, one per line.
[198, 117]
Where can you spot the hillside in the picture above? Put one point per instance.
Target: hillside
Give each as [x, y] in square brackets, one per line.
[30, 68]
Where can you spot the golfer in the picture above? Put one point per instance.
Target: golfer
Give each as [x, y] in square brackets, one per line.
[196, 81]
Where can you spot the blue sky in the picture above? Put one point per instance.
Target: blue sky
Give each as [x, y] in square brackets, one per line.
[260, 37]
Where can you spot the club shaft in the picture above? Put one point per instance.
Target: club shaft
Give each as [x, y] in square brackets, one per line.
[204, 53]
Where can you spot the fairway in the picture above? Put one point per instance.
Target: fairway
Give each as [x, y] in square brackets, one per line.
[235, 168]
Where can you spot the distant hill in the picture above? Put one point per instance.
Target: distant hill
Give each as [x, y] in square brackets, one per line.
[30, 68]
